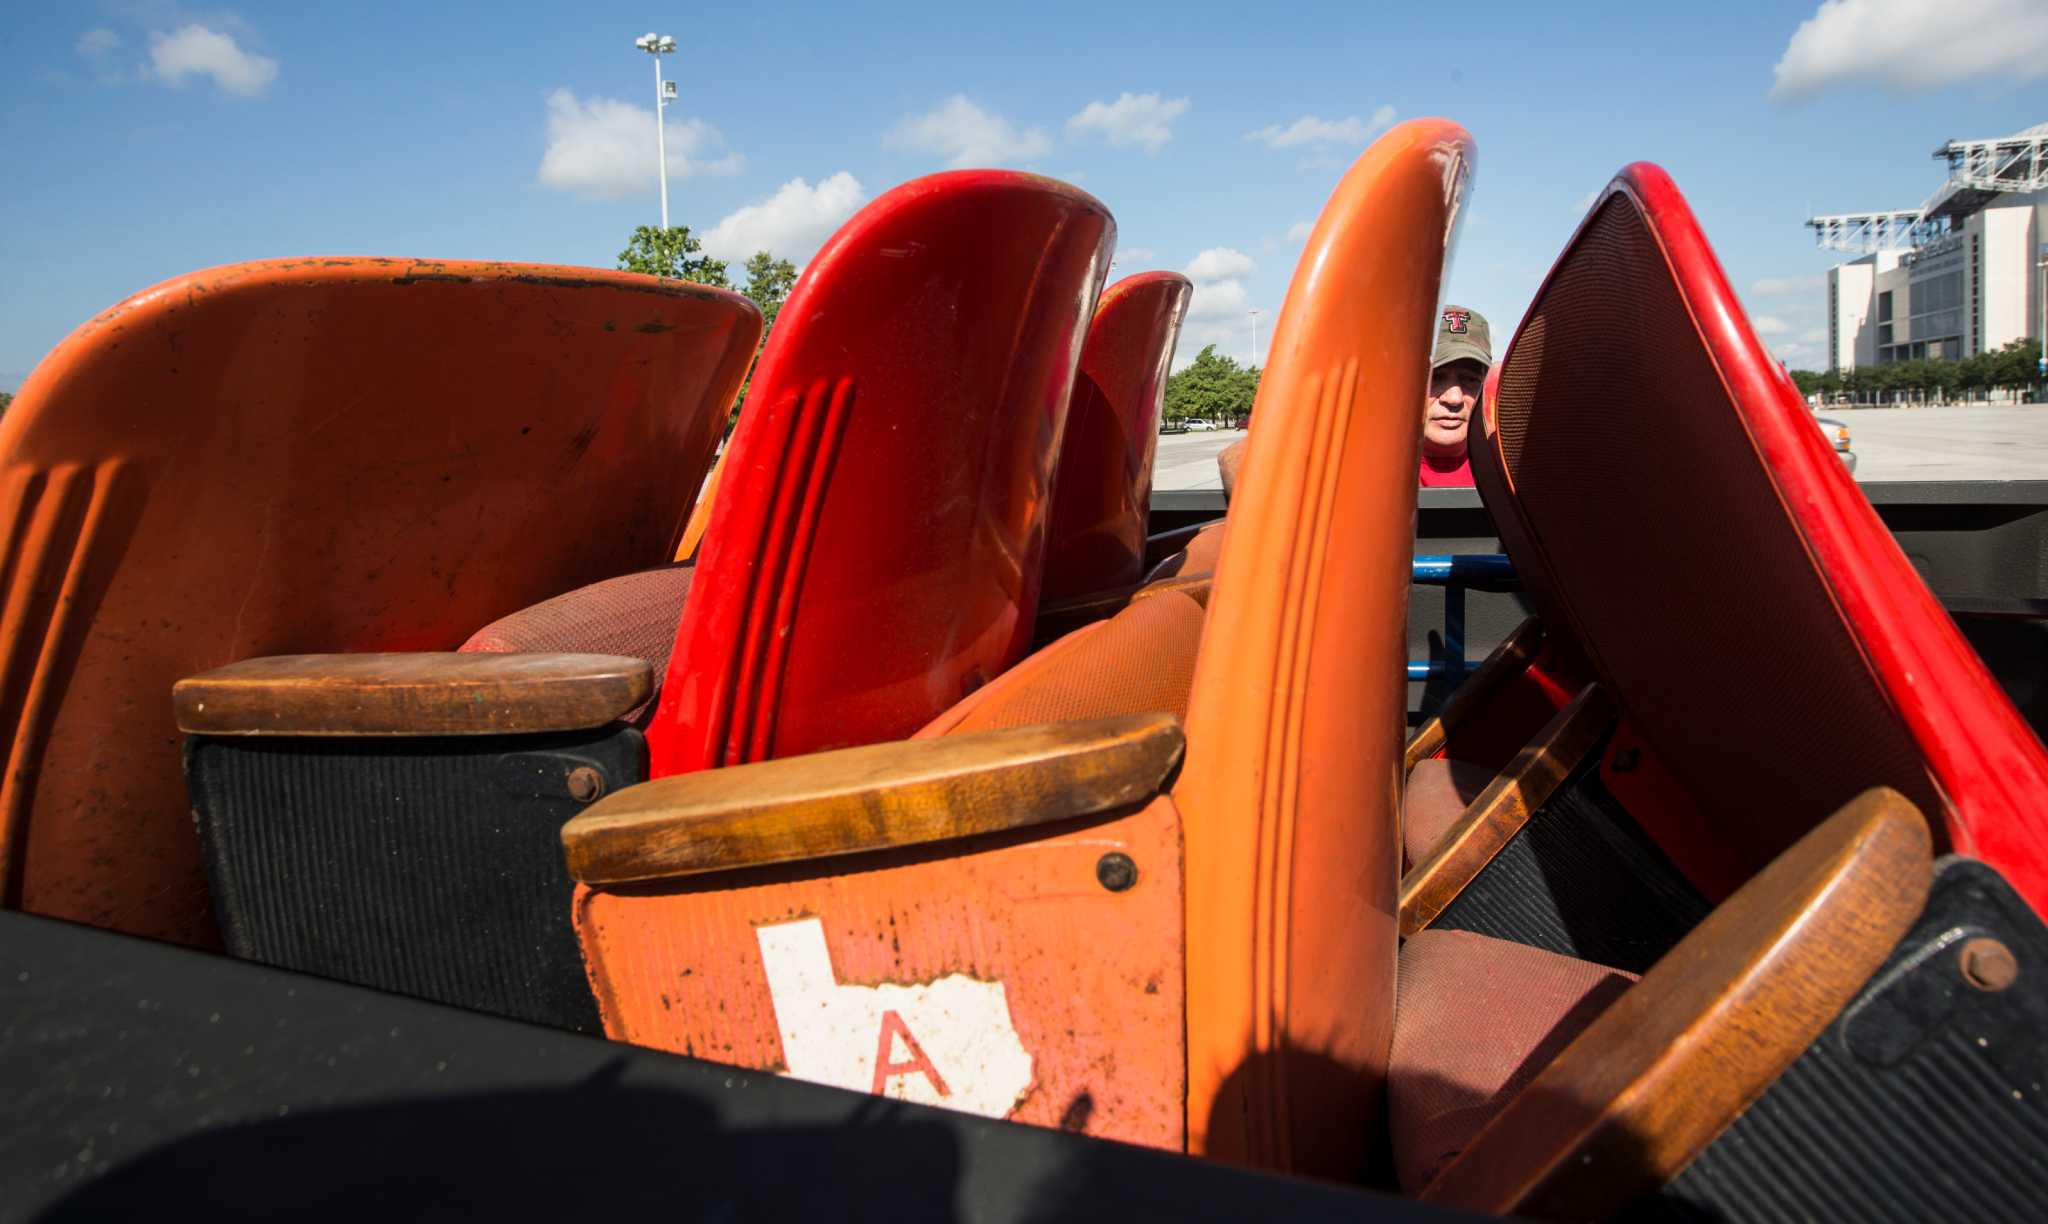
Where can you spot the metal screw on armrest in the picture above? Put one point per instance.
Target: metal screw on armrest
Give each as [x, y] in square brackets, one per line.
[1115, 871]
[1988, 964]
[585, 784]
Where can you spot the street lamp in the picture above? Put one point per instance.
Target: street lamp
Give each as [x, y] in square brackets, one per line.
[1254, 313]
[658, 46]
[2041, 366]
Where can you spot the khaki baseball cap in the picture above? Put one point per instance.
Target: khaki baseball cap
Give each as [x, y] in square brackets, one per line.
[1462, 335]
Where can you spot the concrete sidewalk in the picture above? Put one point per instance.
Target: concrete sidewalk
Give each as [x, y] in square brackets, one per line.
[1977, 442]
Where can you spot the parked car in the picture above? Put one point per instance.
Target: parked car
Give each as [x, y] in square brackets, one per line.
[1839, 439]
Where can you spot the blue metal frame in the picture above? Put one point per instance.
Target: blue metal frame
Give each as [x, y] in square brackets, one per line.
[1455, 573]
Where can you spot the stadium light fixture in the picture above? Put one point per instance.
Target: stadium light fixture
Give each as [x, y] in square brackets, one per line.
[658, 45]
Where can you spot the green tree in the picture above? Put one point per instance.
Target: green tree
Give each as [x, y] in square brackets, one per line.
[674, 253]
[768, 282]
[6, 398]
[1212, 387]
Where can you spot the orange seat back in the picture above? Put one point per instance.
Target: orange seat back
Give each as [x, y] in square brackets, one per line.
[310, 455]
[877, 544]
[1102, 489]
[1289, 794]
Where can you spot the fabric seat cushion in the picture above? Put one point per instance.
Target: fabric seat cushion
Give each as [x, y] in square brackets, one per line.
[1139, 661]
[1475, 1020]
[1439, 790]
[634, 615]
[1197, 560]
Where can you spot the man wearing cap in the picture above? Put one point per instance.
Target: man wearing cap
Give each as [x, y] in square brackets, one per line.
[1457, 377]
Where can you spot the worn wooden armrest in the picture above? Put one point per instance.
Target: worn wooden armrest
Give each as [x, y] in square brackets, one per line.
[423, 693]
[1166, 543]
[1678, 1057]
[1508, 659]
[1494, 818]
[1057, 619]
[873, 798]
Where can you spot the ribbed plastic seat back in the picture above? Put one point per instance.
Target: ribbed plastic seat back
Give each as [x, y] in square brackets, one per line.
[1288, 796]
[1757, 622]
[877, 545]
[1103, 486]
[310, 455]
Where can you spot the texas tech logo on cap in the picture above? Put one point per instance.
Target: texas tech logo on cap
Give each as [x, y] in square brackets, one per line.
[1455, 320]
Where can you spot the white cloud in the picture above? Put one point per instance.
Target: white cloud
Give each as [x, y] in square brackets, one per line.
[1314, 130]
[1145, 120]
[600, 148]
[967, 135]
[1131, 255]
[1912, 45]
[95, 44]
[195, 50]
[791, 224]
[1585, 203]
[1769, 325]
[1813, 335]
[1217, 310]
[1220, 264]
[1788, 286]
[1299, 231]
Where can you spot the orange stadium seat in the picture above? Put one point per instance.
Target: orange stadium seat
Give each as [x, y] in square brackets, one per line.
[1243, 1006]
[874, 554]
[310, 454]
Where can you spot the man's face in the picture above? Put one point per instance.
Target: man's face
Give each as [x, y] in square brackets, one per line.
[1453, 393]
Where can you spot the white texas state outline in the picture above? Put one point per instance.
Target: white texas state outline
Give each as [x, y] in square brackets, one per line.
[949, 1042]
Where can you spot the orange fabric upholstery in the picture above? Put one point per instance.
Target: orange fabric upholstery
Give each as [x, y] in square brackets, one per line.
[1478, 1018]
[309, 455]
[1197, 559]
[1438, 792]
[633, 615]
[1141, 660]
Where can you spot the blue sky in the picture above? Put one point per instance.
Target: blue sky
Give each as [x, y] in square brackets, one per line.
[147, 138]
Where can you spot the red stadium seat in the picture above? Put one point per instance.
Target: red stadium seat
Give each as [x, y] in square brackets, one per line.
[1103, 485]
[1678, 517]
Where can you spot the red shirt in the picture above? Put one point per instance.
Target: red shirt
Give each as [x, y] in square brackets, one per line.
[1442, 473]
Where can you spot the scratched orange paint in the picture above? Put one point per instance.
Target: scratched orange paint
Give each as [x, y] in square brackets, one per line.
[1093, 978]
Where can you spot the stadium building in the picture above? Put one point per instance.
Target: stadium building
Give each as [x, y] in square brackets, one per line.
[1957, 276]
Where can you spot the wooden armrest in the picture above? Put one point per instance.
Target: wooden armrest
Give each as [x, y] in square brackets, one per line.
[1507, 660]
[1678, 1057]
[1500, 811]
[858, 799]
[424, 693]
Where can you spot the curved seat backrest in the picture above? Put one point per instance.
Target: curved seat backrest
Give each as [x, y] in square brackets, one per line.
[311, 455]
[1724, 573]
[1294, 746]
[1102, 488]
[877, 544]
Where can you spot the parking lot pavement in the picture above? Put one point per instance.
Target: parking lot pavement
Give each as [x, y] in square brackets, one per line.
[1982, 442]
[1188, 461]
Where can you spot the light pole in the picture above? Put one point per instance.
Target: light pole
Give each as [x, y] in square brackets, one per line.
[658, 46]
[1254, 313]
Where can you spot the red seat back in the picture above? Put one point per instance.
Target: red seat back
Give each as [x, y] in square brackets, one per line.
[310, 455]
[877, 545]
[1722, 570]
[1103, 485]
